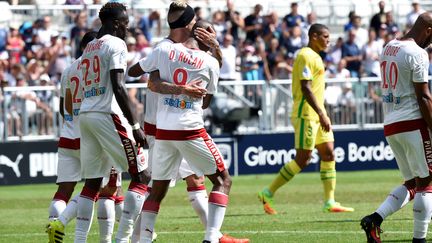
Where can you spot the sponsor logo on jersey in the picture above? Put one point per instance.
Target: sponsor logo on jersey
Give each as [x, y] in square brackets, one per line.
[95, 92]
[177, 103]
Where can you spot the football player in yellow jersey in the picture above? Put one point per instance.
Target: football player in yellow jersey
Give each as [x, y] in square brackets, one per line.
[311, 124]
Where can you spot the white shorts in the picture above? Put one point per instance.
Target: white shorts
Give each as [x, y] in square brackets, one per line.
[183, 171]
[411, 145]
[201, 155]
[69, 165]
[113, 180]
[109, 134]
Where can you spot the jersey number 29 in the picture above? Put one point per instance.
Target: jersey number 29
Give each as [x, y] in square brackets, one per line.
[96, 69]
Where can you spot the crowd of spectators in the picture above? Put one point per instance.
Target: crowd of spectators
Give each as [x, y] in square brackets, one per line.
[258, 46]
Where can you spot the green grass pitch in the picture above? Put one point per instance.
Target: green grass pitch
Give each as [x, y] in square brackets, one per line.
[23, 211]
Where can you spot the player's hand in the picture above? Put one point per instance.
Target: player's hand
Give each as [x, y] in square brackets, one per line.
[325, 122]
[138, 135]
[194, 91]
[207, 37]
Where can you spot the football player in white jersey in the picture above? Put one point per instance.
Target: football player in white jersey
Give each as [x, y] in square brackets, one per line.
[179, 32]
[107, 124]
[407, 105]
[185, 64]
[195, 186]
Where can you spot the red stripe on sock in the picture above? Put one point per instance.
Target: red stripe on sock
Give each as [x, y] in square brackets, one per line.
[151, 206]
[196, 188]
[119, 199]
[424, 189]
[218, 198]
[137, 187]
[58, 196]
[89, 194]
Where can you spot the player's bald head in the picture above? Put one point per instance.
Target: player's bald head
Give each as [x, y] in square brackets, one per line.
[422, 30]
[424, 20]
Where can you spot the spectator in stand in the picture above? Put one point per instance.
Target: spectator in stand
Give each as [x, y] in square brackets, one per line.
[72, 14]
[44, 31]
[198, 13]
[349, 25]
[249, 63]
[146, 24]
[4, 33]
[335, 53]
[294, 40]
[44, 98]
[346, 103]
[34, 70]
[371, 52]
[352, 55]
[253, 24]
[15, 45]
[310, 20]
[361, 33]
[142, 44]
[229, 57]
[413, 15]
[340, 72]
[219, 25]
[271, 27]
[263, 71]
[293, 18]
[77, 32]
[272, 55]
[379, 18]
[234, 21]
[392, 26]
[17, 70]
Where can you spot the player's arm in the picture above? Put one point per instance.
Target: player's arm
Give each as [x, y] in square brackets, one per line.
[156, 84]
[206, 100]
[419, 66]
[135, 70]
[424, 99]
[61, 106]
[311, 100]
[121, 95]
[68, 101]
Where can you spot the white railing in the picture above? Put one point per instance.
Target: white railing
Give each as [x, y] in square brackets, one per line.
[269, 103]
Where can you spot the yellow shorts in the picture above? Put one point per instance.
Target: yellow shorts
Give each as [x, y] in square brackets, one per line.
[309, 133]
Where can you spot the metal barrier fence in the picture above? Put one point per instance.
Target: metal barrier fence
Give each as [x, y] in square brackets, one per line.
[32, 112]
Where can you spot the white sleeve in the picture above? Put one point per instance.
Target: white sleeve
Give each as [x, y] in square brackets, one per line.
[420, 67]
[214, 77]
[118, 55]
[150, 63]
[64, 82]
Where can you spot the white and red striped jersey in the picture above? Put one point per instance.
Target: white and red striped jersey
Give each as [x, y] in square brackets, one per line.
[70, 79]
[150, 64]
[99, 57]
[402, 64]
[180, 65]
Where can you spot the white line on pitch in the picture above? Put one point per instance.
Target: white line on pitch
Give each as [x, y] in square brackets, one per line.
[241, 232]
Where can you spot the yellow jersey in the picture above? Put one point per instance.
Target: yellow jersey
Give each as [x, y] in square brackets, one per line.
[308, 65]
